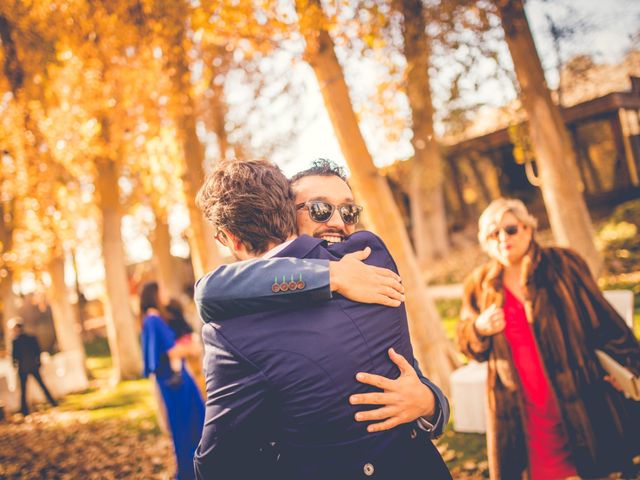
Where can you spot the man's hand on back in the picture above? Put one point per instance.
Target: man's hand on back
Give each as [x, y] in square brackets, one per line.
[403, 400]
[363, 283]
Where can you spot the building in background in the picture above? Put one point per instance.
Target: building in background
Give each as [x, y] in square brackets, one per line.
[494, 157]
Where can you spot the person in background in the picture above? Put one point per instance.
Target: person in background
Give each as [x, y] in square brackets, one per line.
[185, 336]
[182, 400]
[537, 316]
[26, 358]
[181, 329]
[37, 318]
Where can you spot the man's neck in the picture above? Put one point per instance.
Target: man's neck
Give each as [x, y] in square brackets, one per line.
[270, 247]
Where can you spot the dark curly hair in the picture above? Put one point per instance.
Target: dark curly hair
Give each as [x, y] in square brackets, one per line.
[322, 167]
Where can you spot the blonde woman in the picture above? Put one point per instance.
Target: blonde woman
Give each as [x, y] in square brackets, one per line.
[537, 316]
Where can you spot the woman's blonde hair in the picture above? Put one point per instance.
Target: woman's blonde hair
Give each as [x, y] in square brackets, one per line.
[494, 213]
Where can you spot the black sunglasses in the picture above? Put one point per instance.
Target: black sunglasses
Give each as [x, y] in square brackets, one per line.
[510, 230]
[322, 212]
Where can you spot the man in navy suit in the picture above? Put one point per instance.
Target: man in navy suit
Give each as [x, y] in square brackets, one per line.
[326, 209]
[285, 375]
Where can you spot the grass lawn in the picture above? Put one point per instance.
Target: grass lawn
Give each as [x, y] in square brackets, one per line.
[131, 400]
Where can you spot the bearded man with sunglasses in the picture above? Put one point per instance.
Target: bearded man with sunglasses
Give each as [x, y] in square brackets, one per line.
[326, 210]
[286, 374]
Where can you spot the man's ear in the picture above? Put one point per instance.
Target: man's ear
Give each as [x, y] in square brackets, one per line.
[236, 243]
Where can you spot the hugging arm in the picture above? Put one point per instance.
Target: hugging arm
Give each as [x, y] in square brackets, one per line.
[438, 421]
[264, 284]
[247, 287]
[410, 397]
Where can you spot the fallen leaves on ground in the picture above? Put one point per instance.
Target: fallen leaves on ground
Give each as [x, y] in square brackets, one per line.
[55, 444]
[465, 454]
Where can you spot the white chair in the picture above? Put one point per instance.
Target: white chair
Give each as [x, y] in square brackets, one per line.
[622, 301]
[469, 397]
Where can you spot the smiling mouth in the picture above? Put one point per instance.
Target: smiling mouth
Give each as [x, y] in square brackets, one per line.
[331, 237]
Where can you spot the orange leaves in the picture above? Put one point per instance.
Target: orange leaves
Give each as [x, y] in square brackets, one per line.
[158, 168]
[112, 445]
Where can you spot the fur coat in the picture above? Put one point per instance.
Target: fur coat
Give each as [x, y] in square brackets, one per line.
[570, 319]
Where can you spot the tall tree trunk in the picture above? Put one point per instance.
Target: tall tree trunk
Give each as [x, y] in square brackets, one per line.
[64, 318]
[204, 252]
[121, 327]
[81, 299]
[430, 234]
[558, 171]
[165, 263]
[432, 348]
[14, 73]
[218, 111]
[9, 308]
[7, 297]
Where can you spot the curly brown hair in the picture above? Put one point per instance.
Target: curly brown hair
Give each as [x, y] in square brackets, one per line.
[252, 199]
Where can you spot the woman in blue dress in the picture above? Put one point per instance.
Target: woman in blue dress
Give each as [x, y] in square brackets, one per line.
[182, 400]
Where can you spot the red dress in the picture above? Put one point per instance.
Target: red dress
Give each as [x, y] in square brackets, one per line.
[549, 453]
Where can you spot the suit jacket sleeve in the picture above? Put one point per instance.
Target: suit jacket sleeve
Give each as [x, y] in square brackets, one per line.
[442, 406]
[234, 427]
[246, 287]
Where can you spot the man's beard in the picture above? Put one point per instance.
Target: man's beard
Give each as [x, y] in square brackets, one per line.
[331, 235]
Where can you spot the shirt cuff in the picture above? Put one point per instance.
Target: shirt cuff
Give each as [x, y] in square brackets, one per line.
[428, 426]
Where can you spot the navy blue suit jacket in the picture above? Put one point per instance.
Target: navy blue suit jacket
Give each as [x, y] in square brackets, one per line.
[246, 287]
[287, 375]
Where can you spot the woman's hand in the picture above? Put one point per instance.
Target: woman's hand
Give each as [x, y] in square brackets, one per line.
[490, 322]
